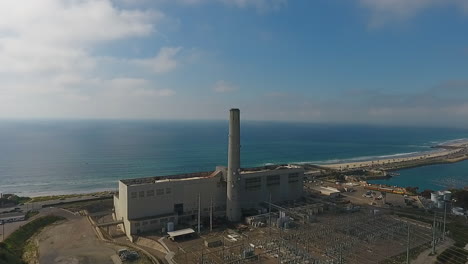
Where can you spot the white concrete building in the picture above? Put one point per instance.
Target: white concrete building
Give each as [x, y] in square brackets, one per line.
[147, 204]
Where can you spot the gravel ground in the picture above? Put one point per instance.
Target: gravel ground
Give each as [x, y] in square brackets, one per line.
[73, 242]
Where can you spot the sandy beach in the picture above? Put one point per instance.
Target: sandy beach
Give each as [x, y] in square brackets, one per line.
[445, 153]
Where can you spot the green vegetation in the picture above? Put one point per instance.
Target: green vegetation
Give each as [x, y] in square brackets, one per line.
[31, 251]
[11, 199]
[90, 206]
[461, 198]
[66, 196]
[412, 190]
[54, 197]
[30, 214]
[12, 249]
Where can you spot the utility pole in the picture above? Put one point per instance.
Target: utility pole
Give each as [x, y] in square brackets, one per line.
[279, 246]
[341, 254]
[223, 248]
[199, 212]
[3, 231]
[445, 219]
[434, 234]
[269, 215]
[211, 214]
[408, 246]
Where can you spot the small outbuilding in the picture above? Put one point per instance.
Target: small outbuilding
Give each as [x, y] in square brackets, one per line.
[328, 191]
[188, 232]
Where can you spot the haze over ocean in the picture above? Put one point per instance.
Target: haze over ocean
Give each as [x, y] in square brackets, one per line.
[51, 157]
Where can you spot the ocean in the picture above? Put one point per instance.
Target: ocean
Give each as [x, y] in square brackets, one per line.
[53, 157]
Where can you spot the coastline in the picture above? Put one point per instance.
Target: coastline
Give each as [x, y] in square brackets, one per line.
[449, 152]
[440, 153]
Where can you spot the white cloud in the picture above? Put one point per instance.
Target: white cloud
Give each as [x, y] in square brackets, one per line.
[85, 98]
[55, 35]
[165, 61]
[260, 5]
[387, 11]
[224, 87]
[133, 87]
[49, 68]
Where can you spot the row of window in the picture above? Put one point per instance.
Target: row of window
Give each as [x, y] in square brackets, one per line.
[155, 221]
[255, 183]
[273, 180]
[150, 193]
[293, 177]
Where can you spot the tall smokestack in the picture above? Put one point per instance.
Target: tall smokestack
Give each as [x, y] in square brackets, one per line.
[233, 210]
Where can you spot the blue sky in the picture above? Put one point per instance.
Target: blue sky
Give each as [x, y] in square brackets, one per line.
[357, 61]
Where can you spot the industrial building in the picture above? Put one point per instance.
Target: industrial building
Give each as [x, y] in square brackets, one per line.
[157, 203]
[440, 198]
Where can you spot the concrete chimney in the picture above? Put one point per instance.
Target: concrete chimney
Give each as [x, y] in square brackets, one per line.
[233, 209]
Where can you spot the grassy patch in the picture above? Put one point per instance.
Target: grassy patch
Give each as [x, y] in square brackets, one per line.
[30, 214]
[54, 197]
[66, 196]
[31, 251]
[90, 206]
[13, 199]
[12, 249]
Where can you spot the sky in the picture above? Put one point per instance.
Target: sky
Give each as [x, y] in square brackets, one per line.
[401, 62]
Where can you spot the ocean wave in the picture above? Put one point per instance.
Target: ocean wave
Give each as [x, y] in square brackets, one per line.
[363, 158]
[23, 184]
[451, 141]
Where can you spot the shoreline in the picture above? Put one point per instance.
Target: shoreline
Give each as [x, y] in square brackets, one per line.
[450, 152]
[444, 153]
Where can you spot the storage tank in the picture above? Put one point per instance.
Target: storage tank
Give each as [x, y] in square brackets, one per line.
[170, 226]
[434, 197]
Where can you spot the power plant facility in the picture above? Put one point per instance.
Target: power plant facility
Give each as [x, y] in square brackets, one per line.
[162, 202]
[286, 213]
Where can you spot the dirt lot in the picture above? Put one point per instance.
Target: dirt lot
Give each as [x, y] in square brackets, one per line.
[73, 242]
[396, 200]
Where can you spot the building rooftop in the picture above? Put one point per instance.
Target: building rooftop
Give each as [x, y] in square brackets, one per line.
[208, 174]
[269, 168]
[155, 179]
[181, 232]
